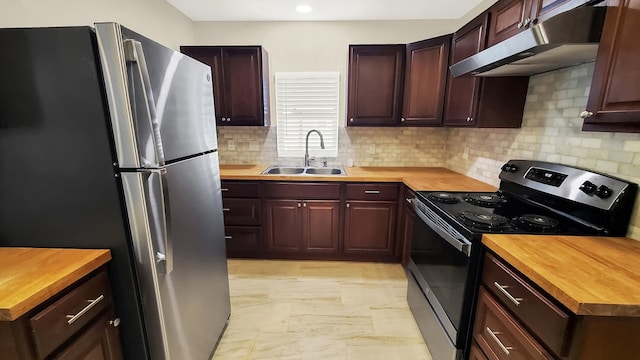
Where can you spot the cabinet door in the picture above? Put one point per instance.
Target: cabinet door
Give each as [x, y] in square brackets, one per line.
[463, 92]
[369, 227]
[321, 226]
[425, 79]
[544, 9]
[375, 84]
[241, 211]
[614, 100]
[284, 225]
[100, 341]
[507, 18]
[211, 56]
[243, 86]
[243, 240]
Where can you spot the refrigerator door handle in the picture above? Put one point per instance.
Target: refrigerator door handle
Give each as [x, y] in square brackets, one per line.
[135, 54]
[156, 191]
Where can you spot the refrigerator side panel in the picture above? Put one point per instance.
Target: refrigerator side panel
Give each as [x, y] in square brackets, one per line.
[57, 183]
[195, 290]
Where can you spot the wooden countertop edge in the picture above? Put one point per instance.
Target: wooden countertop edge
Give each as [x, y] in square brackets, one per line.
[576, 306]
[37, 298]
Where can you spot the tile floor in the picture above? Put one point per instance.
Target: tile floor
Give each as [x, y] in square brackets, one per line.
[326, 310]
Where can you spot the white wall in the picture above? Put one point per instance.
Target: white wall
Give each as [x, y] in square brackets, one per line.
[155, 19]
[319, 45]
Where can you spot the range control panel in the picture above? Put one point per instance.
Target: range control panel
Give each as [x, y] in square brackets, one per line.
[581, 185]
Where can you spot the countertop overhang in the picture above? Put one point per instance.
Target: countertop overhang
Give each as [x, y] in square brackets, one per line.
[29, 276]
[590, 275]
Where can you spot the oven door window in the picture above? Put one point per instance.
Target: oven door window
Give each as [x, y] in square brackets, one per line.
[444, 268]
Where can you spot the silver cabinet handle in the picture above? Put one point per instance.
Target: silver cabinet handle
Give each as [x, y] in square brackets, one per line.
[586, 114]
[402, 120]
[115, 322]
[520, 25]
[299, 204]
[503, 288]
[527, 21]
[226, 209]
[469, 119]
[228, 237]
[351, 120]
[495, 338]
[410, 201]
[348, 205]
[304, 204]
[92, 303]
[223, 189]
[372, 191]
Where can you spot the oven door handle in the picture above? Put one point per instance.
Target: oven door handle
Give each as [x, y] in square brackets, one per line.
[462, 245]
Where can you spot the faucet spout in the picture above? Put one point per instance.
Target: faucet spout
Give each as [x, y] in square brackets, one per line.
[306, 146]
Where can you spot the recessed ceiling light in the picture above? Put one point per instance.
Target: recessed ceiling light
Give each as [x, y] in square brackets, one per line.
[303, 9]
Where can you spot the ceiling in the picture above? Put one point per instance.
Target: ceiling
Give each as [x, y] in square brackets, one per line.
[322, 10]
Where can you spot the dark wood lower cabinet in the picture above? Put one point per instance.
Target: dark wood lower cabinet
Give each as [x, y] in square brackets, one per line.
[99, 342]
[284, 230]
[321, 226]
[369, 227]
[243, 241]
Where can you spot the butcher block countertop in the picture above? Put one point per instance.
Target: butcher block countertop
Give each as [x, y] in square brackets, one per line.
[416, 178]
[589, 275]
[29, 276]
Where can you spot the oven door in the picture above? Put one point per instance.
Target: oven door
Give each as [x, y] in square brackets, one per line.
[441, 266]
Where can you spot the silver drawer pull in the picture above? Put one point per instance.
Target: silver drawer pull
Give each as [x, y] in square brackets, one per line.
[503, 288]
[223, 189]
[495, 338]
[92, 303]
[228, 237]
[372, 191]
[410, 201]
[226, 209]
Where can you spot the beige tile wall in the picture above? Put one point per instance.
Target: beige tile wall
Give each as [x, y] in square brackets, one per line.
[365, 146]
[551, 131]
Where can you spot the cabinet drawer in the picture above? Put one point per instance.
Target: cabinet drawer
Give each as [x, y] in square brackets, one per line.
[305, 191]
[241, 211]
[372, 192]
[498, 333]
[242, 239]
[240, 189]
[545, 320]
[59, 321]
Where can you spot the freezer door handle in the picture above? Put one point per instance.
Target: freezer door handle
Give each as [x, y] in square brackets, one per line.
[157, 202]
[134, 54]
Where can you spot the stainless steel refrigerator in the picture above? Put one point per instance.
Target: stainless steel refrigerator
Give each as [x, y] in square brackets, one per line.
[108, 140]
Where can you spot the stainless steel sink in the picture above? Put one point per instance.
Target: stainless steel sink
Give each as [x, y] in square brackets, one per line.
[324, 171]
[284, 170]
[290, 170]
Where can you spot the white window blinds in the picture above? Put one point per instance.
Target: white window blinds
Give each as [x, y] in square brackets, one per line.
[306, 101]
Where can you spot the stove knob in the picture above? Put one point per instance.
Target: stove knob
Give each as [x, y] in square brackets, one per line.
[604, 192]
[505, 167]
[513, 168]
[588, 187]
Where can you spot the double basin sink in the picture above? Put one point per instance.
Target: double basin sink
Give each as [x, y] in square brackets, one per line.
[291, 170]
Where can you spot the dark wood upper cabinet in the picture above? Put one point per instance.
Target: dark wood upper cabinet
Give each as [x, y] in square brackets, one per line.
[375, 85]
[480, 102]
[614, 98]
[509, 17]
[240, 82]
[425, 79]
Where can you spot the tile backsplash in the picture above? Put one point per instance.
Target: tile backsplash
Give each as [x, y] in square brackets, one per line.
[551, 131]
[365, 146]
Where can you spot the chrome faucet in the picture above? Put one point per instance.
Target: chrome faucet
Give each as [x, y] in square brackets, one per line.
[306, 146]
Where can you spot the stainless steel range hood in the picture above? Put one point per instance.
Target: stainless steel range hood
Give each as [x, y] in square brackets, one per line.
[567, 39]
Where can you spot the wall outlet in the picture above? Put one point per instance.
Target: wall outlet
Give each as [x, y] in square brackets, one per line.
[231, 145]
[253, 146]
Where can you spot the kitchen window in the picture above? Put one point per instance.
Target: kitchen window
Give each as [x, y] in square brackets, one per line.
[306, 101]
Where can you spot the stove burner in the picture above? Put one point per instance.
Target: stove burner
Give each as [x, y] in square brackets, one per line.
[484, 221]
[489, 200]
[444, 197]
[533, 222]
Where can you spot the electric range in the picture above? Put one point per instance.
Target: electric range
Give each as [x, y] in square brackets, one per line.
[534, 198]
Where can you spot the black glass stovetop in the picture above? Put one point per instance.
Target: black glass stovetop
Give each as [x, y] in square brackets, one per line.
[478, 213]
